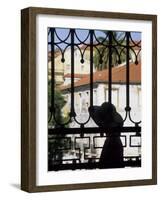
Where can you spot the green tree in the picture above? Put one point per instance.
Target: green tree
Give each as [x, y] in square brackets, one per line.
[101, 60]
[59, 104]
[56, 142]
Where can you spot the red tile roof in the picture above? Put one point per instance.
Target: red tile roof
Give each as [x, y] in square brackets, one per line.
[118, 76]
[76, 75]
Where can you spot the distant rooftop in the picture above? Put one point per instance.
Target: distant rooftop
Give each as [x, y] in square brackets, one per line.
[118, 76]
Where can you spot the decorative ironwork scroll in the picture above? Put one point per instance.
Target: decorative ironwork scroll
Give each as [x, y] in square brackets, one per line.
[64, 139]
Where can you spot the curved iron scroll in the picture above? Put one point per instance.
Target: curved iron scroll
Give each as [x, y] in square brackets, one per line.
[109, 43]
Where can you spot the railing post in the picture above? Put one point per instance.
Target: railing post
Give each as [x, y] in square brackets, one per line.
[127, 73]
[91, 67]
[72, 72]
[110, 68]
[52, 70]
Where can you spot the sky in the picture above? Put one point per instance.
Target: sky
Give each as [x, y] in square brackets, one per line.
[83, 33]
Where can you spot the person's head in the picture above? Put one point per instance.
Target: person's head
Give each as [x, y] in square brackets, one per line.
[108, 107]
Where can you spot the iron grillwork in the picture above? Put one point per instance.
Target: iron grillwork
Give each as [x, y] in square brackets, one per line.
[68, 138]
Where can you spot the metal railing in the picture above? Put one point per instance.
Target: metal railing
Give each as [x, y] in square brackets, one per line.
[58, 131]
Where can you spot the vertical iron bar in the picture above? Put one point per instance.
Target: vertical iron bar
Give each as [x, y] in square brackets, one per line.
[52, 70]
[110, 68]
[127, 71]
[72, 72]
[91, 67]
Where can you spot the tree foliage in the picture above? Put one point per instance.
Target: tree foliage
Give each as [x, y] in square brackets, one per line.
[56, 142]
[101, 60]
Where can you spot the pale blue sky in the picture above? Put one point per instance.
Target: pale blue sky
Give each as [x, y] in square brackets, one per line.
[83, 33]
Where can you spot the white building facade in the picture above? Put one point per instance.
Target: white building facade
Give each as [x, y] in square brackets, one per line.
[100, 95]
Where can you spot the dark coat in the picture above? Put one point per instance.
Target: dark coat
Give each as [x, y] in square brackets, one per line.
[112, 152]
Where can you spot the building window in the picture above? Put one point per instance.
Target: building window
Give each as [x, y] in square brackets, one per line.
[95, 97]
[84, 106]
[115, 96]
[139, 97]
[82, 67]
[80, 102]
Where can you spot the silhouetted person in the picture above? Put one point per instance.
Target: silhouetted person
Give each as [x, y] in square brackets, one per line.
[112, 152]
